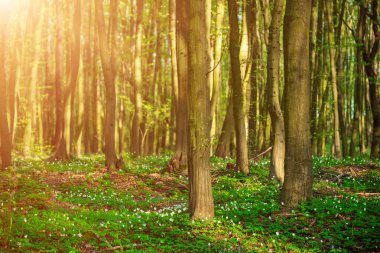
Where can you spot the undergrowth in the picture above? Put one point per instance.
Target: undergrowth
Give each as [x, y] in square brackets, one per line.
[79, 206]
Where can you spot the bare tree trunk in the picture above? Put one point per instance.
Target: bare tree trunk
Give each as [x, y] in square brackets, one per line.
[59, 140]
[201, 200]
[5, 137]
[369, 52]
[317, 79]
[332, 51]
[237, 87]
[223, 147]
[217, 61]
[109, 78]
[135, 133]
[273, 76]
[74, 73]
[255, 52]
[183, 75]
[298, 173]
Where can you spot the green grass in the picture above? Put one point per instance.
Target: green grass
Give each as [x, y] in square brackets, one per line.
[79, 206]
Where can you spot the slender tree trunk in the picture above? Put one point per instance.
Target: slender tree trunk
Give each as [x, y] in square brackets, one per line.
[223, 147]
[369, 52]
[28, 137]
[201, 199]
[217, 58]
[298, 173]
[317, 79]
[358, 96]
[109, 78]
[183, 75]
[237, 87]
[59, 138]
[136, 136]
[332, 51]
[74, 73]
[273, 76]
[252, 121]
[5, 137]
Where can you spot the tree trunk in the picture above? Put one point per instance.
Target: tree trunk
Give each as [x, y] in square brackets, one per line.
[298, 173]
[183, 75]
[74, 73]
[223, 147]
[135, 133]
[109, 78]
[217, 61]
[332, 51]
[5, 137]
[371, 68]
[59, 140]
[317, 79]
[201, 199]
[237, 87]
[273, 75]
[254, 33]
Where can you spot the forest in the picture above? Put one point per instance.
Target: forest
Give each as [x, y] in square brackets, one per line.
[189, 126]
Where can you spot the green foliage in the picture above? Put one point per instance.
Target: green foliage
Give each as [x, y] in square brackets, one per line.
[79, 206]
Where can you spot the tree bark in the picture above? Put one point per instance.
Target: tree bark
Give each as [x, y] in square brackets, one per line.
[201, 199]
[5, 137]
[273, 83]
[59, 139]
[369, 51]
[223, 147]
[237, 87]
[182, 40]
[109, 79]
[255, 53]
[332, 52]
[298, 173]
[135, 133]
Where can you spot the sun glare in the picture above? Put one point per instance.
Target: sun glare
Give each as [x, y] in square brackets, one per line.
[8, 5]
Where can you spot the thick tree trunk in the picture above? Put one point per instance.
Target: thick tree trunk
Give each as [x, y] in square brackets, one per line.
[273, 75]
[237, 87]
[201, 199]
[109, 78]
[298, 173]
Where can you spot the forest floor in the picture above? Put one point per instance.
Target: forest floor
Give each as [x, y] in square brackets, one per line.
[81, 207]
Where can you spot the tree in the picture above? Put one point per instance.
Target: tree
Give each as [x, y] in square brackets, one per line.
[298, 174]
[369, 50]
[5, 137]
[135, 132]
[181, 31]
[109, 79]
[273, 81]
[332, 51]
[201, 200]
[237, 90]
[59, 140]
